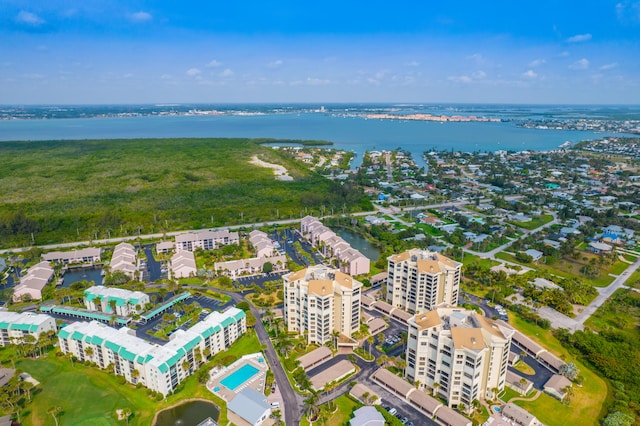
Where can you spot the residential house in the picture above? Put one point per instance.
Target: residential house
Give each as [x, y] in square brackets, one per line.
[254, 265]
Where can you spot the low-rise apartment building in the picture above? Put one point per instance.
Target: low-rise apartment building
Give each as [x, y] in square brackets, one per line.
[347, 259]
[320, 300]
[420, 280]
[15, 327]
[115, 300]
[262, 244]
[205, 240]
[85, 255]
[124, 259]
[458, 354]
[254, 265]
[160, 368]
[183, 265]
[32, 283]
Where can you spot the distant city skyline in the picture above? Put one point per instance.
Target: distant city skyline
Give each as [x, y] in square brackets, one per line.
[99, 52]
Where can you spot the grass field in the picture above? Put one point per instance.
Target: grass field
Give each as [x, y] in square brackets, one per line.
[586, 406]
[536, 222]
[613, 314]
[567, 267]
[81, 190]
[344, 407]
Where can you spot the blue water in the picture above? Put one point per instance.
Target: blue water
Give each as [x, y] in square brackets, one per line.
[349, 133]
[239, 376]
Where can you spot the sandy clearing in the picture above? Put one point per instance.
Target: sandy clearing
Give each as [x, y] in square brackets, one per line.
[280, 172]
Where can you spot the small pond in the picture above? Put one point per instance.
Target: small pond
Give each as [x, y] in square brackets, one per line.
[360, 244]
[190, 413]
[90, 274]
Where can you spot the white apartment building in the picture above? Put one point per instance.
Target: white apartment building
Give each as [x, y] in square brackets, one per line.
[205, 240]
[183, 265]
[320, 300]
[160, 368]
[32, 284]
[14, 326]
[124, 259]
[85, 255]
[126, 302]
[420, 280]
[457, 354]
[348, 260]
[262, 244]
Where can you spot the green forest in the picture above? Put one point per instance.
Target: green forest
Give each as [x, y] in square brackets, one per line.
[61, 191]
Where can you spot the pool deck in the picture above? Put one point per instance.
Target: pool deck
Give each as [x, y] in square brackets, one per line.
[256, 382]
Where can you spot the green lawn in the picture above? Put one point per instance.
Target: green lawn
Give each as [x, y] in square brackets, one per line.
[536, 222]
[470, 259]
[567, 267]
[89, 396]
[617, 315]
[587, 404]
[344, 408]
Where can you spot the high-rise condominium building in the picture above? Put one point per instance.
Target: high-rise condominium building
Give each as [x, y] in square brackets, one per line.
[420, 280]
[320, 300]
[458, 354]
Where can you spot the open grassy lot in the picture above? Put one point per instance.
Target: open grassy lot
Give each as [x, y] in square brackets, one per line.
[340, 415]
[586, 407]
[471, 259]
[81, 190]
[621, 312]
[568, 267]
[536, 222]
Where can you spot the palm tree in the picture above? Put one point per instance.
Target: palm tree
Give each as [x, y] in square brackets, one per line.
[370, 341]
[435, 388]
[112, 305]
[126, 413]
[135, 374]
[97, 303]
[186, 365]
[54, 411]
[88, 351]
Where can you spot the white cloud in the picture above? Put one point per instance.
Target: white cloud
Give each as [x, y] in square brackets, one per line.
[529, 74]
[317, 81]
[310, 81]
[29, 18]
[226, 73]
[213, 64]
[609, 66]
[413, 64]
[460, 78]
[564, 54]
[581, 64]
[477, 58]
[537, 62]
[479, 75]
[192, 72]
[166, 77]
[140, 16]
[275, 64]
[628, 12]
[579, 38]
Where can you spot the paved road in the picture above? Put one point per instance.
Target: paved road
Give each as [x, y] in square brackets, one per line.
[293, 402]
[559, 320]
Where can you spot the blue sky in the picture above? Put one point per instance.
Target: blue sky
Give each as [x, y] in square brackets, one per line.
[134, 51]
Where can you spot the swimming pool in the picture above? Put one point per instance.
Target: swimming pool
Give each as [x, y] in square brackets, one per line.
[239, 377]
[497, 409]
